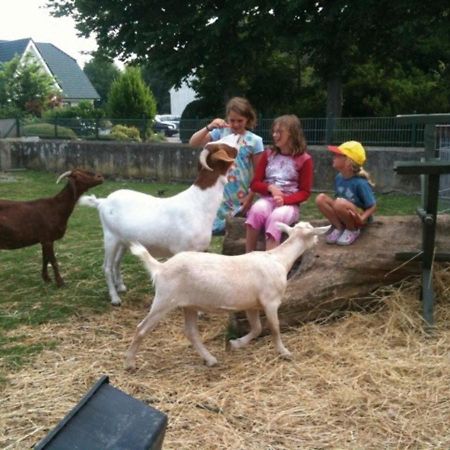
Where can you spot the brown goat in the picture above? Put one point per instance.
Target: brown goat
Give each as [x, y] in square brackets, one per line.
[43, 221]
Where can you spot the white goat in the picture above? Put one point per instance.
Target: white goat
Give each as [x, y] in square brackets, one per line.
[165, 226]
[213, 282]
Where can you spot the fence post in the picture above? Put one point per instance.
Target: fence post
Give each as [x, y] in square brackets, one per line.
[96, 128]
[56, 127]
[413, 135]
[18, 131]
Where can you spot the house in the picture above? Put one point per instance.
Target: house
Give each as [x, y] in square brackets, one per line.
[180, 98]
[69, 78]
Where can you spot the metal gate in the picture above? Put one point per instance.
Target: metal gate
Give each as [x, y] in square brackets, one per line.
[443, 148]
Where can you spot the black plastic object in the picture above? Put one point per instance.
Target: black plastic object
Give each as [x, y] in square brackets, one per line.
[108, 419]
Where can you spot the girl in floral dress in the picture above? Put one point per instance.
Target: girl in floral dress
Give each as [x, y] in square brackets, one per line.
[240, 117]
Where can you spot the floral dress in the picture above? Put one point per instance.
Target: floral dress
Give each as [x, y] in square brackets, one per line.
[239, 175]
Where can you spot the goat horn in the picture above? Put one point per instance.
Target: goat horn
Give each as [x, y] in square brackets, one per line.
[65, 174]
[202, 158]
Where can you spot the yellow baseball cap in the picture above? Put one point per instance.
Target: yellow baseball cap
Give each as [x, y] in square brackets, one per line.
[352, 149]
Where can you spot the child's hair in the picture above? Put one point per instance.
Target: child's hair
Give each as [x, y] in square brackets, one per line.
[360, 172]
[294, 127]
[242, 106]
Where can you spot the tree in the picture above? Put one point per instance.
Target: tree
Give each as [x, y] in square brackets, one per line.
[379, 90]
[263, 46]
[25, 87]
[102, 72]
[339, 36]
[159, 85]
[130, 97]
[224, 48]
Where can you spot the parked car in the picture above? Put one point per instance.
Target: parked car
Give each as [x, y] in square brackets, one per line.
[169, 129]
[167, 123]
[169, 118]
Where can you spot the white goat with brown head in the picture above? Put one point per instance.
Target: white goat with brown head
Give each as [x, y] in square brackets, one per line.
[212, 282]
[165, 226]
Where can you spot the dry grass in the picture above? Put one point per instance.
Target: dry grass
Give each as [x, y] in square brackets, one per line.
[368, 380]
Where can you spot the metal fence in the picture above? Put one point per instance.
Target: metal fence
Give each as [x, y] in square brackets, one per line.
[371, 131]
[382, 131]
[71, 128]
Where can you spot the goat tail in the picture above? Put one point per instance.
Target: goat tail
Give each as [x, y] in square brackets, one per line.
[151, 264]
[89, 200]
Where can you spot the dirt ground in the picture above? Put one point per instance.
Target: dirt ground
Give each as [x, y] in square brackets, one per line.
[367, 380]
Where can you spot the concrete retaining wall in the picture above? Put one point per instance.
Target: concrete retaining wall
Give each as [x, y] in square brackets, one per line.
[165, 162]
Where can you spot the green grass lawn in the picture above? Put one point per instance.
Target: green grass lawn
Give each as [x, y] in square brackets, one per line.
[26, 300]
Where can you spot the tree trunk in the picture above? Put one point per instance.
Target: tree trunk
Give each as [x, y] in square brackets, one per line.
[332, 277]
[334, 107]
[334, 97]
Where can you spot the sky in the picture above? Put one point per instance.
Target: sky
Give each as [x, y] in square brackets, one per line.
[30, 19]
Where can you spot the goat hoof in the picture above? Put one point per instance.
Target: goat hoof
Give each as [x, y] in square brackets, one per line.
[286, 355]
[130, 367]
[121, 288]
[116, 302]
[211, 362]
[235, 343]
[129, 364]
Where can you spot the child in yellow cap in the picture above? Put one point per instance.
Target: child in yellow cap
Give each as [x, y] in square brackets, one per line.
[354, 201]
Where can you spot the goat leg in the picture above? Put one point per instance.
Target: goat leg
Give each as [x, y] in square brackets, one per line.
[157, 312]
[45, 262]
[271, 310]
[255, 330]
[191, 331]
[117, 276]
[48, 255]
[111, 266]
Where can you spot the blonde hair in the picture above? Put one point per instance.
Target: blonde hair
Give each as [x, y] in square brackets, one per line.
[358, 171]
[294, 127]
[242, 106]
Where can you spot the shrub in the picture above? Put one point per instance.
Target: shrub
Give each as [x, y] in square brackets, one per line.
[156, 137]
[124, 133]
[130, 97]
[47, 131]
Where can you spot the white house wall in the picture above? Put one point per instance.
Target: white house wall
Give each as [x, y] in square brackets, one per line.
[181, 97]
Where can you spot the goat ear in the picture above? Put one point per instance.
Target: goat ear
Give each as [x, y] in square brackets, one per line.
[285, 228]
[222, 155]
[321, 230]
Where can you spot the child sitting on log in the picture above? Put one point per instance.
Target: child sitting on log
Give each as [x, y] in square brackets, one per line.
[354, 201]
[283, 179]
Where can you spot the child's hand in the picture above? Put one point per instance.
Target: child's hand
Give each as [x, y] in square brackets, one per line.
[279, 201]
[246, 203]
[275, 191]
[356, 219]
[277, 194]
[218, 123]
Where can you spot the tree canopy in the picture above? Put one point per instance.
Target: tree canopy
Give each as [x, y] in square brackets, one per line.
[101, 71]
[25, 87]
[263, 49]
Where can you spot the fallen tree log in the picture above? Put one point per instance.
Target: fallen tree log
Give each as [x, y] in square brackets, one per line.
[329, 278]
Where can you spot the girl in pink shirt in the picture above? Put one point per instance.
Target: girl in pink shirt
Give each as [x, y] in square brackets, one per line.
[283, 178]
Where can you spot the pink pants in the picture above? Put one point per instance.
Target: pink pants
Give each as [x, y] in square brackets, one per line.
[264, 215]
